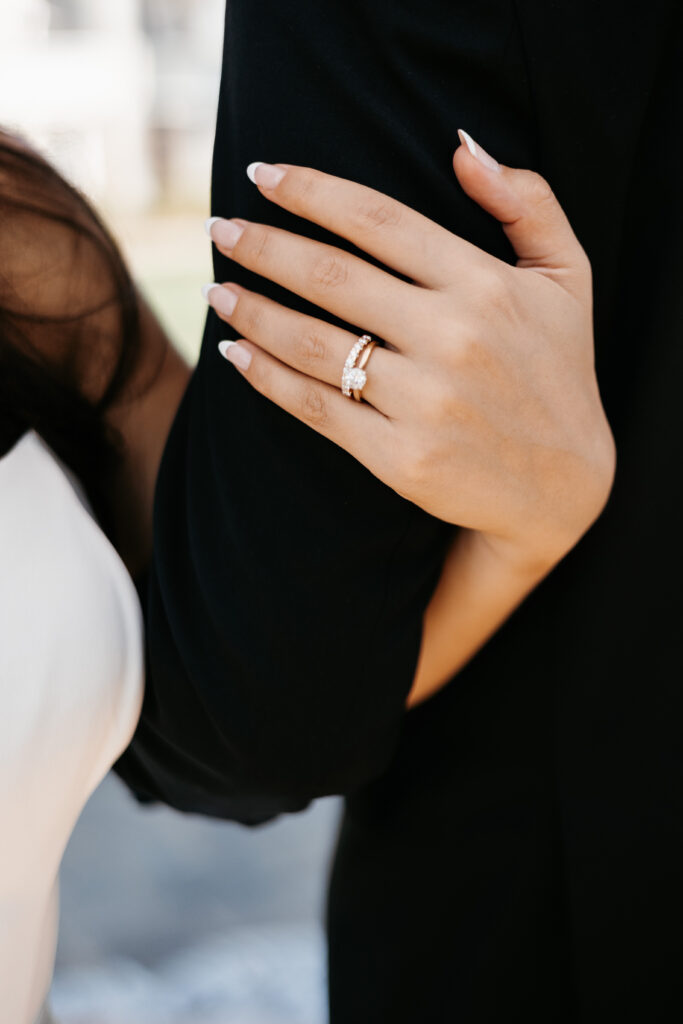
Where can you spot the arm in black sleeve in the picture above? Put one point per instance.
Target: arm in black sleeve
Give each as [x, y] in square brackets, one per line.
[283, 610]
[288, 585]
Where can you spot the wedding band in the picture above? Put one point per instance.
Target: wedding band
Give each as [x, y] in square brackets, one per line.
[360, 369]
[354, 378]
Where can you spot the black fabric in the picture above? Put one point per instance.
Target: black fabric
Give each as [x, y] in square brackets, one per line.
[512, 849]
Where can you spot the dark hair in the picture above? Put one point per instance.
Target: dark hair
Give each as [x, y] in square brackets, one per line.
[66, 359]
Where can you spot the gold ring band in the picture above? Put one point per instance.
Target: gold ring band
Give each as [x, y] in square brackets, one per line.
[360, 365]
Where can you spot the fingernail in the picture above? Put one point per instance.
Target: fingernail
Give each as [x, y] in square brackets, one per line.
[208, 223]
[475, 149]
[223, 299]
[225, 233]
[206, 288]
[265, 175]
[235, 354]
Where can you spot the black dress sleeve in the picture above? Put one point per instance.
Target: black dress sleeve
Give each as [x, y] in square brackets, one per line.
[288, 585]
[283, 610]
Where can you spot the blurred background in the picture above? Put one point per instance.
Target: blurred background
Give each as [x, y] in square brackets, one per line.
[166, 919]
[122, 95]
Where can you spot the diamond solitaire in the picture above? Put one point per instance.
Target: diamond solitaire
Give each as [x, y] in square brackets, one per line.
[354, 379]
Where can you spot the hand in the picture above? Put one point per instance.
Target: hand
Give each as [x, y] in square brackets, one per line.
[484, 409]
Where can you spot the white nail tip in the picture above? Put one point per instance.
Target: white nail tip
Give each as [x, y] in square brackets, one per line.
[208, 224]
[223, 346]
[469, 141]
[206, 288]
[251, 170]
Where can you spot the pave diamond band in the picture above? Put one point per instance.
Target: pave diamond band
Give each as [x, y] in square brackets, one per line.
[354, 377]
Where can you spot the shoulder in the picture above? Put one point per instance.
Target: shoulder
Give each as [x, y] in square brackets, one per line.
[71, 656]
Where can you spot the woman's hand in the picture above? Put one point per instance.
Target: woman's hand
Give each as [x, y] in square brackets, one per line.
[484, 408]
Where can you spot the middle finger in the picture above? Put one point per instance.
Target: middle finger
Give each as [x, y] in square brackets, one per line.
[337, 281]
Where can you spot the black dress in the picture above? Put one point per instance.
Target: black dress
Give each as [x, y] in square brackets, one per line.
[513, 849]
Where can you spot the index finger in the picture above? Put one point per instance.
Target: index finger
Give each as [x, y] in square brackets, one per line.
[399, 236]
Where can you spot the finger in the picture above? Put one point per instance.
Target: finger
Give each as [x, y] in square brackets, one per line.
[358, 428]
[306, 344]
[389, 230]
[344, 285]
[524, 203]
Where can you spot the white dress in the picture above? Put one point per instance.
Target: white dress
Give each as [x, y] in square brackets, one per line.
[71, 683]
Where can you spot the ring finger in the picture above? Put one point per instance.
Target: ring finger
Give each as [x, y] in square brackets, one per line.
[311, 346]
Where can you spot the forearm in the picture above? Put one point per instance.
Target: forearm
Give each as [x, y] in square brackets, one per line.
[478, 590]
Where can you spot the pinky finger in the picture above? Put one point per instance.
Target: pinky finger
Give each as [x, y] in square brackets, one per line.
[358, 428]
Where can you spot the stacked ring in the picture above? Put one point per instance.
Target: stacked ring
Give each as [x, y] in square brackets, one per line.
[354, 376]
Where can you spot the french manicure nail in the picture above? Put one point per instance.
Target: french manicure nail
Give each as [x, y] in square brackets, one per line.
[235, 354]
[266, 175]
[477, 152]
[225, 233]
[208, 224]
[223, 347]
[222, 299]
[206, 288]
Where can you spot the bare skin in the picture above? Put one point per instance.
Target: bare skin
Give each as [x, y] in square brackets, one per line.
[484, 409]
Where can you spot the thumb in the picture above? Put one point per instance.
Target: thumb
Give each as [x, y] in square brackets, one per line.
[524, 203]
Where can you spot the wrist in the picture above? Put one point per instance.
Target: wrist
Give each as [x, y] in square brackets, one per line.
[537, 547]
[525, 559]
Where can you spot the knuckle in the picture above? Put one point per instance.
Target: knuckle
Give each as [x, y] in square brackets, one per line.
[314, 410]
[250, 316]
[255, 241]
[377, 213]
[309, 348]
[491, 292]
[329, 271]
[303, 182]
[538, 189]
[496, 284]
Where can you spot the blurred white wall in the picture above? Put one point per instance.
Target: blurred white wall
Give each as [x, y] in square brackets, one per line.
[121, 94]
